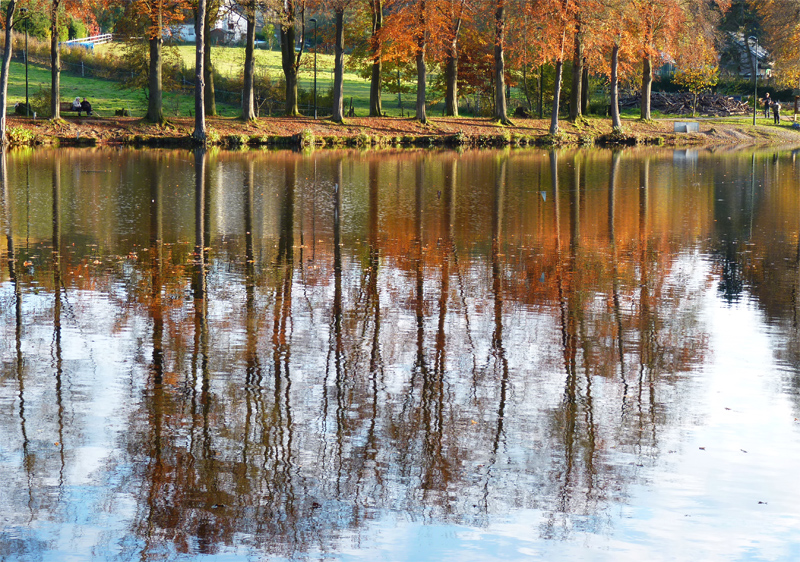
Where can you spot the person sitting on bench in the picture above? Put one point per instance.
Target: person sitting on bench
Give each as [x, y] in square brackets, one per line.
[85, 106]
[76, 105]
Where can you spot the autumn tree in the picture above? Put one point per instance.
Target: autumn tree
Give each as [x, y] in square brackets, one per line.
[658, 24]
[456, 11]
[500, 104]
[291, 14]
[557, 20]
[611, 48]
[338, 7]
[582, 14]
[781, 36]
[55, 62]
[412, 29]
[376, 12]
[248, 97]
[152, 18]
[213, 8]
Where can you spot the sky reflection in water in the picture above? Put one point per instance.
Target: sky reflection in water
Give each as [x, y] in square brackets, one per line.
[399, 355]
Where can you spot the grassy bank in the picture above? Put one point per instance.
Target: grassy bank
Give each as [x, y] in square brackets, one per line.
[392, 131]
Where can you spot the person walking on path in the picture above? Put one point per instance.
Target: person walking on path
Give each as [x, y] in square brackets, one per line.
[767, 103]
[776, 112]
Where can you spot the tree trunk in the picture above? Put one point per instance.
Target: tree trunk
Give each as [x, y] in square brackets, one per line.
[422, 71]
[248, 103]
[556, 96]
[585, 89]
[208, 68]
[12, 5]
[289, 68]
[199, 133]
[422, 76]
[155, 110]
[575, 95]
[616, 122]
[647, 86]
[500, 103]
[375, 106]
[451, 79]
[338, 68]
[55, 64]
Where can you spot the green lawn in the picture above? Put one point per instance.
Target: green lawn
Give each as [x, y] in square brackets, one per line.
[230, 61]
[106, 96]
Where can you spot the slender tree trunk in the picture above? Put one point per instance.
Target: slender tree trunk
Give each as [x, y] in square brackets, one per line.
[208, 66]
[289, 68]
[556, 96]
[585, 89]
[422, 77]
[375, 106]
[155, 110]
[55, 64]
[451, 79]
[647, 86]
[248, 103]
[575, 95]
[616, 122]
[199, 133]
[422, 71]
[12, 5]
[500, 104]
[338, 68]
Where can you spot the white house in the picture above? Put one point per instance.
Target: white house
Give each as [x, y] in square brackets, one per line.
[230, 28]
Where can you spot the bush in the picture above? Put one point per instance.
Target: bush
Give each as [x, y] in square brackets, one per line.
[40, 103]
[20, 136]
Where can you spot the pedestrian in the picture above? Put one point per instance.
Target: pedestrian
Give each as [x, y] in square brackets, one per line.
[776, 111]
[767, 102]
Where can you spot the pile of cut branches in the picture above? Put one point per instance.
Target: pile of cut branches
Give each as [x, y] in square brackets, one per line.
[681, 104]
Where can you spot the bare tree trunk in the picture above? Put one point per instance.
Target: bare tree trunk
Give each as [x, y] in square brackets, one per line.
[500, 104]
[577, 75]
[375, 106]
[289, 68]
[55, 64]
[199, 133]
[208, 67]
[585, 89]
[155, 110]
[338, 67]
[556, 96]
[616, 122]
[451, 79]
[12, 5]
[647, 86]
[248, 103]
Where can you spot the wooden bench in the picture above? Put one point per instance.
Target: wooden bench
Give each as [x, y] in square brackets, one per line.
[66, 106]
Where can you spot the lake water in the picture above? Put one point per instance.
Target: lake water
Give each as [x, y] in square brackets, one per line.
[400, 355]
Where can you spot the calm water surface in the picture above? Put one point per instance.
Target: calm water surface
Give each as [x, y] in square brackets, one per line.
[400, 355]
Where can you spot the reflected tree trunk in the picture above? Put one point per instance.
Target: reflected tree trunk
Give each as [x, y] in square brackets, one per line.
[5, 192]
[156, 256]
[57, 304]
[612, 234]
[252, 365]
[498, 351]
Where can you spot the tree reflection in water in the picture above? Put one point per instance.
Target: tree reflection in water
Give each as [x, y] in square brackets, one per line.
[326, 342]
